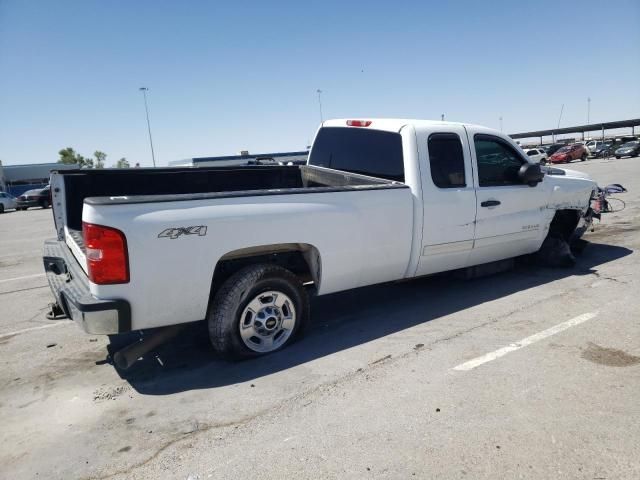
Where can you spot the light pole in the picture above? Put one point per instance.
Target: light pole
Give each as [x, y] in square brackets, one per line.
[500, 123]
[588, 109]
[146, 109]
[319, 92]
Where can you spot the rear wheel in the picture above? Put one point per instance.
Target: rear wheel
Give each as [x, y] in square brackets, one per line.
[1, 208]
[617, 156]
[583, 157]
[258, 310]
[45, 204]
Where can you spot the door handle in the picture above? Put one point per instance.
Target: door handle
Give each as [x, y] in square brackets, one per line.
[490, 203]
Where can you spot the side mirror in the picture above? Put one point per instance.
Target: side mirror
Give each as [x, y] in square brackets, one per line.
[531, 174]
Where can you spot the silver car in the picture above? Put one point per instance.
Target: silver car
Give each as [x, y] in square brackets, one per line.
[7, 202]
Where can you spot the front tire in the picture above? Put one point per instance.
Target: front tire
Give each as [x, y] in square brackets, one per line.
[258, 310]
[1, 208]
[583, 157]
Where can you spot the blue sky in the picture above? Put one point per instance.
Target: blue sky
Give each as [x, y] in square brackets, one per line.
[227, 76]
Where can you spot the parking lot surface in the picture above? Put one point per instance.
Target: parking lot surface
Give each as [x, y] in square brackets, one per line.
[532, 373]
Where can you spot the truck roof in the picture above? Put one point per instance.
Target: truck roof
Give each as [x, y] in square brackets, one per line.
[391, 124]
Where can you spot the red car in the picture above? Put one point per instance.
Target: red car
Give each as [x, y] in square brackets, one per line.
[570, 152]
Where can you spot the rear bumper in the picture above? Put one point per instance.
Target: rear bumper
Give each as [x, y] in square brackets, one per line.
[70, 287]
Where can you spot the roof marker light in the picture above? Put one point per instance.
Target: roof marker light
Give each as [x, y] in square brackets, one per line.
[358, 123]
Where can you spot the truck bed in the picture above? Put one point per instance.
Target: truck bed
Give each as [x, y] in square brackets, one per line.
[111, 186]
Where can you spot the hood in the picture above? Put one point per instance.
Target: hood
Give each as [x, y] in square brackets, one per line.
[565, 172]
[575, 174]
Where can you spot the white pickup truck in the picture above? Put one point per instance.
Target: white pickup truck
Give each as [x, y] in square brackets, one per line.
[243, 247]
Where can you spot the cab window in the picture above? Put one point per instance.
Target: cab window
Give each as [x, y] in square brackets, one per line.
[446, 160]
[498, 162]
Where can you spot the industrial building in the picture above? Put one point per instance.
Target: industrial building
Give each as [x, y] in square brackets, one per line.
[16, 179]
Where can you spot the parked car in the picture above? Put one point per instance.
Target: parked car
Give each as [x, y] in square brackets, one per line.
[553, 148]
[40, 197]
[629, 149]
[537, 155]
[605, 149]
[592, 146]
[569, 153]
[378, 200]
[7, 202]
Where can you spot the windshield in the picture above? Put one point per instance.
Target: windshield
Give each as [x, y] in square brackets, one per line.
[564, 150]
[630, 144]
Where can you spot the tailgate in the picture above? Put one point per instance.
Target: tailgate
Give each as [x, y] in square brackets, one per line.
[71, 237]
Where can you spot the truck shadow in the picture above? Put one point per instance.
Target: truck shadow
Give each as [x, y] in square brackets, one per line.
[341, 321]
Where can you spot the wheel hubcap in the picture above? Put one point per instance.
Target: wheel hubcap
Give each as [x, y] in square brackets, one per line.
[267, 321]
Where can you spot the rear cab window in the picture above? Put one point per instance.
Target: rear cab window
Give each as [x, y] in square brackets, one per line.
[375, 153]
[446, 160]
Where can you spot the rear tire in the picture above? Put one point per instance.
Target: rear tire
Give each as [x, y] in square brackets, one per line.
[1, 208]
[258, 310]
[45, 204]
[618, 156]
[583, 157]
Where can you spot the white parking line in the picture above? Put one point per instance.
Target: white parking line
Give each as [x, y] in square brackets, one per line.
[25, 330]
[35, 275]
[476, 362]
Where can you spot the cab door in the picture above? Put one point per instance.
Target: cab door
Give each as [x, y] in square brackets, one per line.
[449, 198]
[511, 215]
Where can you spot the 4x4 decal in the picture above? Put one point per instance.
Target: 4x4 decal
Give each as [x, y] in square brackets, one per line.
[176, 232]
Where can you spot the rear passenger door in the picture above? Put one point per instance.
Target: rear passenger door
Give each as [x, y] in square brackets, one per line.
[510, 216]
[449, 198]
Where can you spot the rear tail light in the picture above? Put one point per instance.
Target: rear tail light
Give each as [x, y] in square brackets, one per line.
[106, 251]
[358, 123]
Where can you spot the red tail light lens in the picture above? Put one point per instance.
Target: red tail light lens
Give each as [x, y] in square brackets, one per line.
[358, 123]
[106, 251]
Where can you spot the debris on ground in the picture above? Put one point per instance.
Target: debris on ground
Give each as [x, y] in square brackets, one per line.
[556, 252]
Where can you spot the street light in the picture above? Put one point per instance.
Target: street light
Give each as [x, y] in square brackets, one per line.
[146, 109]
[319, 92]
[588, 109]
[500, 123]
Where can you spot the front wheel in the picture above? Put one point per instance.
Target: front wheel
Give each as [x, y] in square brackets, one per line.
[45, 204]
[618, 156]
[258, 310]
[583, 157]
[1, 208]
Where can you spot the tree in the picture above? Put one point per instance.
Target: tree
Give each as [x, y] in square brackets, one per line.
[101, 158]
[122, 163]
[68, 156]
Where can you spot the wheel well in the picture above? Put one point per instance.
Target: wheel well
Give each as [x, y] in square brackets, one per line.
[564, 224]
[301, 259]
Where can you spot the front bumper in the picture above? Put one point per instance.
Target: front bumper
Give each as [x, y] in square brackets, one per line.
[70, 286]
[28, 203]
